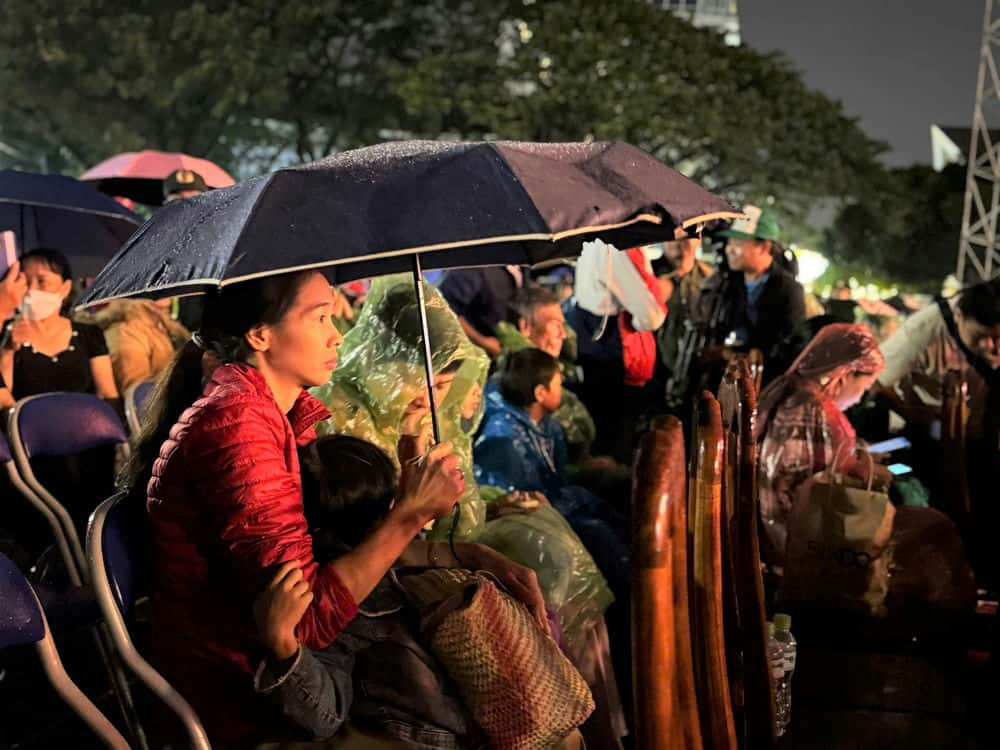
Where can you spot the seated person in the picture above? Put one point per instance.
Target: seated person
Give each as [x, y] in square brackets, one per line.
[141, 337]
[45, 351]
[521, 447]
[379, 393]
[958, 334]
[803, 431]
[801, 424]
[540, 323]
[480, 298]
[377, 672]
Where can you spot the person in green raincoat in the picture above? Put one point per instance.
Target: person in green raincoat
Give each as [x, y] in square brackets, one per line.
[378, 392]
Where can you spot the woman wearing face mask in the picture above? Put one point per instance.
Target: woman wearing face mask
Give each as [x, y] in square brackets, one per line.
[46, 351]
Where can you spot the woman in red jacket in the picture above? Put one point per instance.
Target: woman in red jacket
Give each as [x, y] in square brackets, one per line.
[217, 467]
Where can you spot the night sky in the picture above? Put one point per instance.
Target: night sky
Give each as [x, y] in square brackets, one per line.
[899, 65]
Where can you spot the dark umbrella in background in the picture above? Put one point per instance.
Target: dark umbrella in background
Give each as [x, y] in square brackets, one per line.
[407, 206]
[64, 214]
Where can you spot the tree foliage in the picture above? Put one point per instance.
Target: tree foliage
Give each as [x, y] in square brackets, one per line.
[909, 233]
[247, 82]
[233, 80]
[742, 123]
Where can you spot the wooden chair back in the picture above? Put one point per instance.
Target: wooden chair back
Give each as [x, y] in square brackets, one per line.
[666, 704]
[707, 580]
[746, 627]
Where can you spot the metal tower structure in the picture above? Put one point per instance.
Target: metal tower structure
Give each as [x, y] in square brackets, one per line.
[979, 246]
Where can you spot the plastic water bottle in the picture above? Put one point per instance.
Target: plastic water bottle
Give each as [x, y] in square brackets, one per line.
[776, 666]
[783, 635]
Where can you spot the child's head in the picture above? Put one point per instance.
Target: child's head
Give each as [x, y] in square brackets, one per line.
[529, 377]
[348, 486]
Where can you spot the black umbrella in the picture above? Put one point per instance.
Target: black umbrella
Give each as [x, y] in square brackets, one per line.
[399, 206]
[64, 214]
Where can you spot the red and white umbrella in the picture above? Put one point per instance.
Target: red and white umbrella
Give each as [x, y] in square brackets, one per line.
[139, 175]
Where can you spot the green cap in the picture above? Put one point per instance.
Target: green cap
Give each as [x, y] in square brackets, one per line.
[770, 629]
[759, 224]
[782, 621]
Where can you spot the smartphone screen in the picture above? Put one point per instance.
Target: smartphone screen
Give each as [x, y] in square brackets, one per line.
[898, 469]
[888, 446]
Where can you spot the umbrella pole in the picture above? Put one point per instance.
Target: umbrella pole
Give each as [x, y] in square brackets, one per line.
[418, 278]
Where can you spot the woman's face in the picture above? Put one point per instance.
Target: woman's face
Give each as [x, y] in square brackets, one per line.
[852, 388]
[302, 346]
[473, 400]
[40, 277]
[442, 386]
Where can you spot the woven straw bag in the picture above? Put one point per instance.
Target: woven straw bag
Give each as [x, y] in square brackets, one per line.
[522, 691]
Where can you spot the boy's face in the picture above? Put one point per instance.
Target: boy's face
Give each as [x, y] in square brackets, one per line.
[550, 396]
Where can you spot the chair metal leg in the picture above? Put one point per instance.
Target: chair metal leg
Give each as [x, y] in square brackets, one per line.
[119, 684]
[72, 694]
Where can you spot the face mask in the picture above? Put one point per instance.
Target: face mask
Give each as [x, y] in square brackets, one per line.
[38, 305]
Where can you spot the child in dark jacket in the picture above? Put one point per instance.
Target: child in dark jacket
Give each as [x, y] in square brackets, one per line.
[376, 673]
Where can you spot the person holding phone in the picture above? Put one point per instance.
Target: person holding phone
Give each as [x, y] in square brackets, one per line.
[802, 428]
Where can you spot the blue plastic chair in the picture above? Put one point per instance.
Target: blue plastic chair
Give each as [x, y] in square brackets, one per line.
[60, 424]
[116, 550]
[136, 400]
[66, 424]
[23, 624]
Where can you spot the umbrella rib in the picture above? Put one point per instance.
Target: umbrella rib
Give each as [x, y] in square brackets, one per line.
[58, 207]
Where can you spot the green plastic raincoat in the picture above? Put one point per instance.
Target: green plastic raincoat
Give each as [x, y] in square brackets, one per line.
[381, 372]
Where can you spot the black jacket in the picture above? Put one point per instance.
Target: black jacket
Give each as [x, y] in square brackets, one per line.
[781, 306]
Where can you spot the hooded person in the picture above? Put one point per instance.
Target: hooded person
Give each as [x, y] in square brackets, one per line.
[141, 338]
[380, 381]
[801, 424]
[380, 384]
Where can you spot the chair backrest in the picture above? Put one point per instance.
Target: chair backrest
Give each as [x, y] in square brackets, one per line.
[60, 424]
[23, 623]
[954, 466]
[116, 544]
[64, 424]
[70, 561]
[136, 398]
[705, 534]
[741, 545]
[124, 546]
[666, 703]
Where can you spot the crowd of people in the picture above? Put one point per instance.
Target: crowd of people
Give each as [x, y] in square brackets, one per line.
[289, 473]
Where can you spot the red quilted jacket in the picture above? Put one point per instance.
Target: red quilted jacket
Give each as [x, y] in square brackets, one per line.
[225, 503]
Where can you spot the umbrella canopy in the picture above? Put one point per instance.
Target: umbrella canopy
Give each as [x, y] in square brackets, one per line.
[368, 212]
[139, 175]
[64, 214]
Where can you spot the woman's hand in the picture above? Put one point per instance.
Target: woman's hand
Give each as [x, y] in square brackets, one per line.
[415, 431]
[19, 333]
[278, 609]
[430, 485]
[12, 289]
[521, 582]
